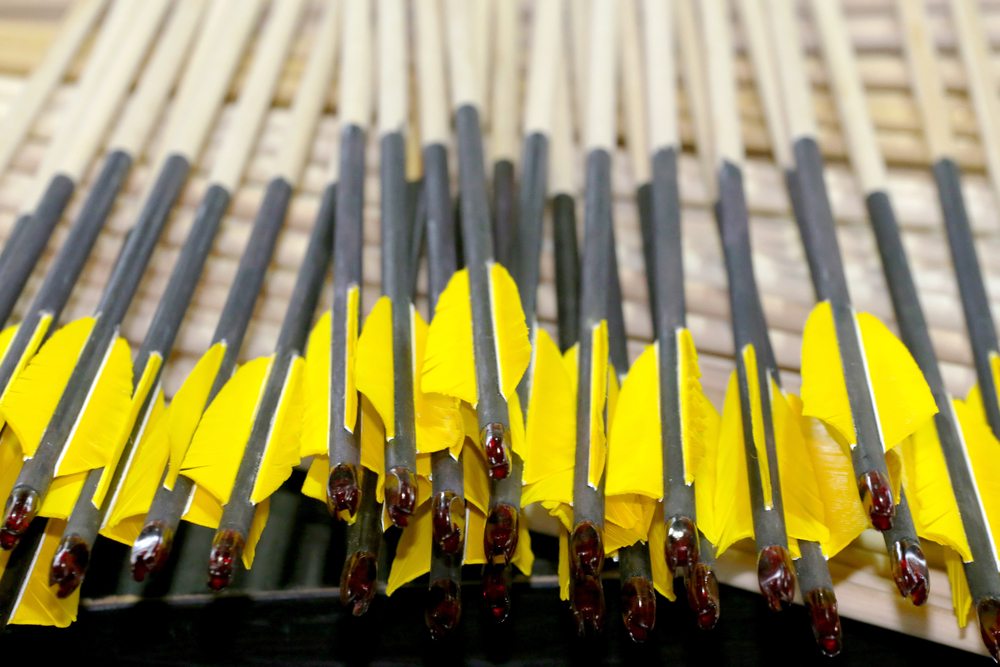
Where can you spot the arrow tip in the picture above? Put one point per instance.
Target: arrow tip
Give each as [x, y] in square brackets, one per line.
[448, 513]
[227, 547]
[22, 506]
[876, 496]
[909, 570]
[703, 595]
[988, 610]
[444, 608]
[357, 582]
[825, 620]
[343, 492]
[776, 576]
[638, 608]
[495, 437]
[69, 565]
[151, 549]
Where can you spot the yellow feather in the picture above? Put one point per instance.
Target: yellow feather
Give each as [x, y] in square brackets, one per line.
[699, 420]
[475, 479]
[981, 446]
[314, 485]
[217, 447]
[975, 399]
[902, 396]
[141, 479]
[372, 443]
[845, 518]
[374, 370]
[635, 448]
[662, 581]
[257, 526]
[627, 520]
[438, 419]
[757, 423]
[413, 553]
[598, 403]
[563, 569]
[203, 509]
[62, 495]
[6, 336]
[961, 598]
[281, 453]
[37, 337]
[10, 461]
[449, 362]
[805, 517]
[929, 491]
[731, 500]
[187, 407]
[516, 417]
[316, 429]
[351, 352]
[523, 558]
[38, 604]
[706, 474]
[551, 417]
[470, 425]
[150, 376]
[513, 346]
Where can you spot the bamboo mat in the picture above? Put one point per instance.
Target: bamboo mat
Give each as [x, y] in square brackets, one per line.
[27, 27]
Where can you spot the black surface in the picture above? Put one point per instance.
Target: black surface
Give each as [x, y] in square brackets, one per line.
[236, 630]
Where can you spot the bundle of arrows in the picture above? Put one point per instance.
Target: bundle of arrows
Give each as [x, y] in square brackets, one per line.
[466, 354]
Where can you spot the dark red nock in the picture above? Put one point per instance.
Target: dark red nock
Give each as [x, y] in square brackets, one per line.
[909, 569]
[703, 595]
[496, 593]
[444, 607]
[586, 550]
[876, 496]
[500, 535]
[69, 565]
[821, 604]
[776, 576]
[400, 495]
[638, 608]
[343, 492]
[681, 547]
[988, 610]
[151, 549]
[227, 548]
[448, 513]
[495, 438]
[586, 597]
[357, 582]
[22, 506]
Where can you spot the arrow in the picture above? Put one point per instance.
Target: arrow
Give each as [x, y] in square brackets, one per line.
[159, 515]
[82, 378]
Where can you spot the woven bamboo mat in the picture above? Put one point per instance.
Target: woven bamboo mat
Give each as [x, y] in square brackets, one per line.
[27, 27]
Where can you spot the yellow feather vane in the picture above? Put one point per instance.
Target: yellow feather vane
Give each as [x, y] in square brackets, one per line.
[281, 454]
[981, 446]
[731, 498]
[37, 603]
[316, 429]
[961, 598]
[31, 398]
[663, 582]
[351, 354]
[449, 364]
[903, 399]
[187, 407]
[149, 380]
[563, 570]
[805, 517]
[975, 398]
[757, 423]
[7, 337]
[551, 416]
[600, 368]
[142, 477]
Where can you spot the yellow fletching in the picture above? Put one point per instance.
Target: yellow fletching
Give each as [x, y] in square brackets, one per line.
[903, 399]
[257, 526]
[510, 330]
[413, 553]
[449, 361]
[845, 517]
[38, 604]
[10, 461]
[981, 446]
[316, 429]
[62, 495]
[731, 497]
[203, 509]
[663, 582]
[699, 420]
[563, 569]
[929, 492]
[757, 422]
[314, 485]
[187, 407]
[805, 517]
[37, 336]
[974, 400]
[961, 598]
[599, 371]
[141, 478]
[281, 453]
[6, 336]
[374, 370]
[351, 352]
[150, 376]
[217, 447]
[635, 448]
[627, 520]
[372, 443]
[475, 479]
[550, 427]
[438, 419]
[523, 558]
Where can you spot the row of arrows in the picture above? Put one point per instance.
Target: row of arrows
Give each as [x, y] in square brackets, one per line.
[449, 429]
